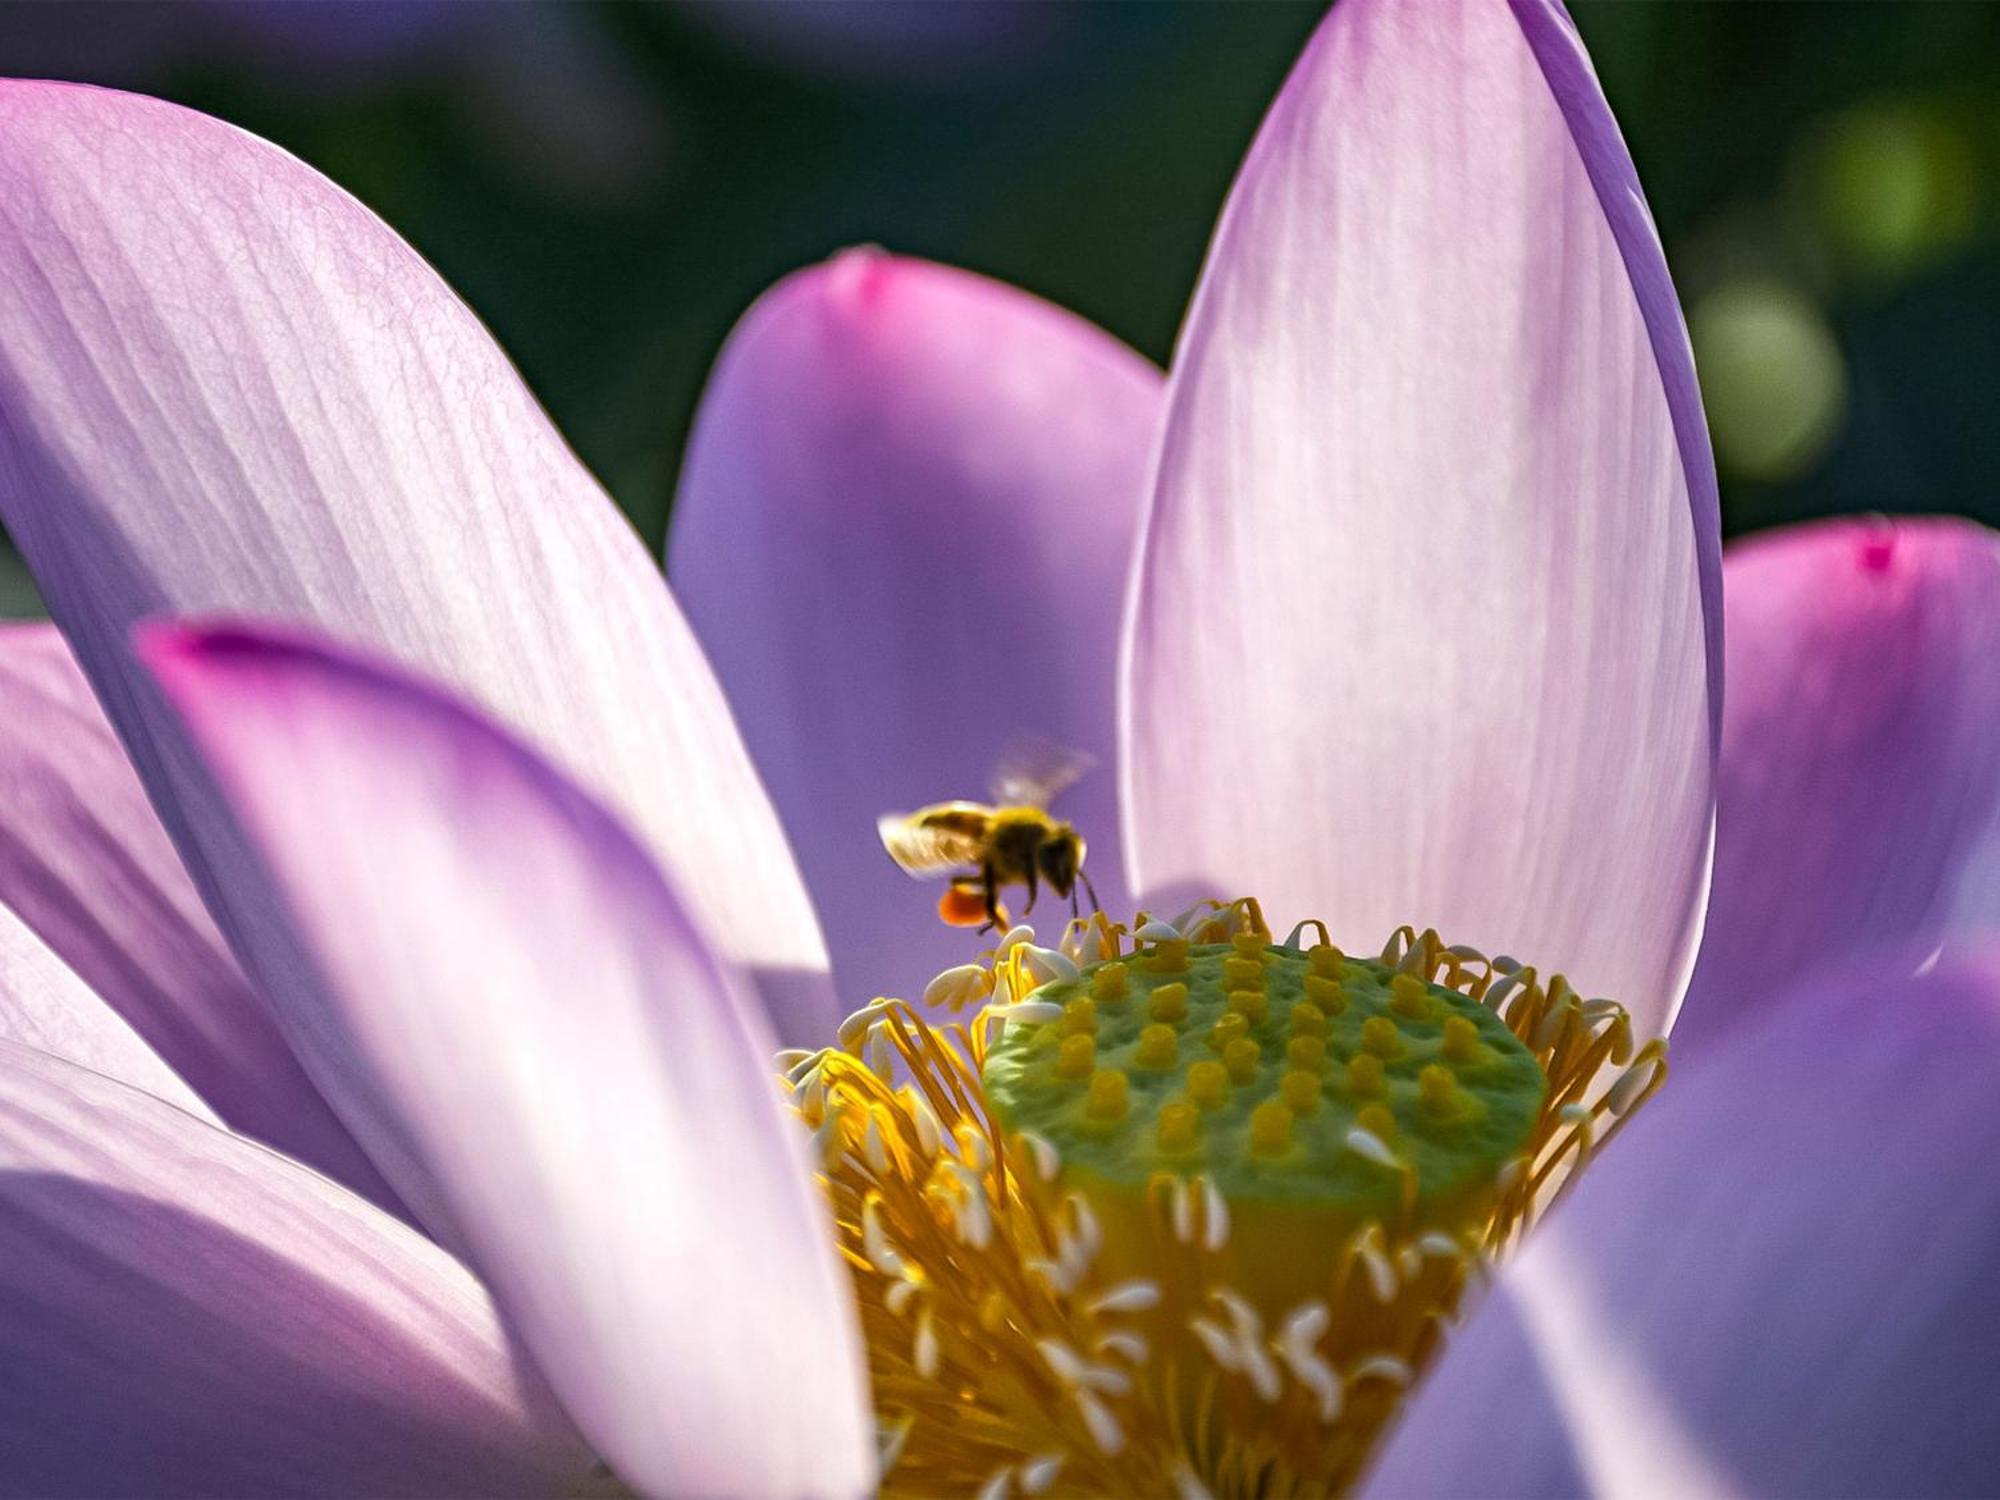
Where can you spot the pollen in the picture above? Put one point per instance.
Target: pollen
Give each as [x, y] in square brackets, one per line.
[1087, 1266]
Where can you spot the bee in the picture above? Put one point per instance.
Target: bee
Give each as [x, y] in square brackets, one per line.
[985, 847]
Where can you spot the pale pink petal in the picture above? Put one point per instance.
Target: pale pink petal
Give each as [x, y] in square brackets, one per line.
[903, 532]
[85, 863]
[524, 1023]
[225, 385]
[1783, 1279]
[45, 1006]
[1425, 628]
[187, 1313]
[1858, 796]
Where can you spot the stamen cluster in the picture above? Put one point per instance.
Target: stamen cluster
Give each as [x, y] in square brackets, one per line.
[1186, 1210]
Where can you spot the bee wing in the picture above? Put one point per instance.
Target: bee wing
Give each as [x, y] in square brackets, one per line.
[1034, 770]
[925, 843]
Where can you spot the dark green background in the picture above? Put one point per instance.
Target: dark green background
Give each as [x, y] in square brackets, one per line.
[610, 185]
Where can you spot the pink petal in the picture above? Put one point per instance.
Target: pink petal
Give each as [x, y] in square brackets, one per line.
[191, 1314]
[224, 384]
[1425, 627]
[1783, 1279]
[85, 863]
[523, 1020]
[902, 533]
[1858, 798]
[45, 1006]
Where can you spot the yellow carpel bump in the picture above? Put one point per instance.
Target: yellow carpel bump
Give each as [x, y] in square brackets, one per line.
[1076, 1057]
[1410, 997]
[1364, 1075]
[1169, 1003]
[1230, 1025]
[1243, 973]
[1378, 1036]
[1249, 944]
[1306, 1053]
[1252, 1005]
[1110, 983]
[1300, 1092]
[1241, 1058]
[1270, 1129]
[1325, 995]
[1308, 1019]
[1325, 960]
[1109, 1095]
[1461, 1039]
[1080, 1017]
[1437, 1089]
[1377, 1121]
[1167, 956]
[1208, 1084]
[1180, 1126]
[1158, 1046]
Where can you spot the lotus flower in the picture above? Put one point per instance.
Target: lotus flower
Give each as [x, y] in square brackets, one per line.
[1422, 625]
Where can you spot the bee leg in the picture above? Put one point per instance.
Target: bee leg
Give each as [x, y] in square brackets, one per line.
[1032, 890]
[994, 918]
[1088, 887]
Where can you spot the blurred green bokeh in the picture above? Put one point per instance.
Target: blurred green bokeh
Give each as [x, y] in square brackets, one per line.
[611, 185]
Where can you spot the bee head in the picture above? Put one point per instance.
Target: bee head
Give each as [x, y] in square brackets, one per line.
[1059, 858]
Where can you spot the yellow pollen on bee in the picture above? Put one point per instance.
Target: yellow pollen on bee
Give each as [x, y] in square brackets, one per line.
[1241, 1057]
[1306, 1053]
[1270, 1129]
[1208, 1084]
[1364, 1075]
[1377, 1121]
[1300, 1091]
[1308, 1019]
[1437, 1089]
[1252, 1005]
[1461, 1039]
[1168, 1003]
[1080, 1017]
[1109, 1095]
[1179, 1127]
[1230, 1025]
[1076, 1057]
[1110, 984]
[1409, 996]
[1379, 1036]
[1167, 956]
[1158, 1046]
[1243, 973]
[1325, 995]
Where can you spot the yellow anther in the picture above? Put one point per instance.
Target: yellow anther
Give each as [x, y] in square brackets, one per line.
[1249, 945]
[1410, 996]
[1364, 1075]
[1180, 1124]
[1241, 1057]
[1308, 1019]
[1270, 1128]
[1167, 956]
[1109, 984]
[1228, 1027]
[1243, 973]
[1325, 960]
[1169, 1003]
[1208, 1084]
[1077, 1057]
[1437, 1090]
[1461, 1039]
[1377, 1121]
[1252, 1005]
[1307, 1053]
[1325, 994]
[1109, 1095]
[1378, 1035]
[1300, 1092]
[1158, 1046]
[1080, 1017]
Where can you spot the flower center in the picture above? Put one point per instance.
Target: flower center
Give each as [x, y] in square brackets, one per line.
[1187, 1212]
